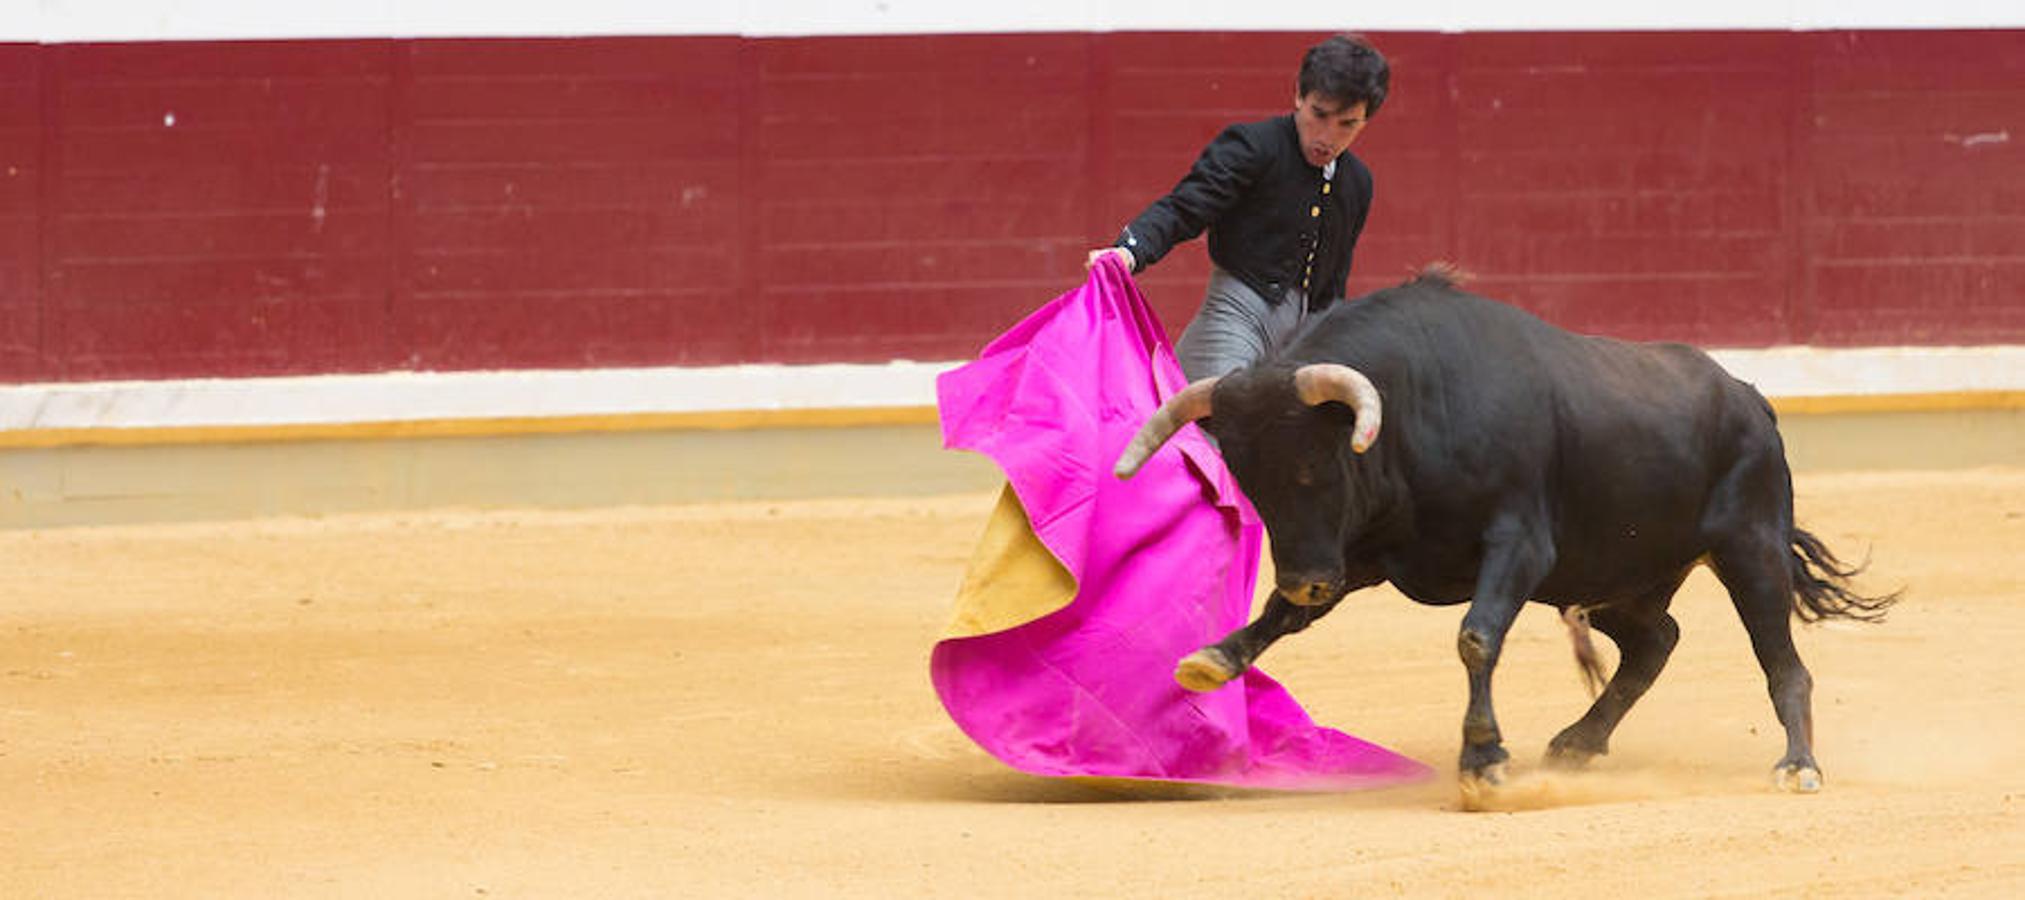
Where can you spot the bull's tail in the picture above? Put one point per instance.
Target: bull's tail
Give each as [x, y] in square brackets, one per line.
[1821, 585]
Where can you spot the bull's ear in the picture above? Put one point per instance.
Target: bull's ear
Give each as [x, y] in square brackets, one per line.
[1340, 417]
[1337, 414]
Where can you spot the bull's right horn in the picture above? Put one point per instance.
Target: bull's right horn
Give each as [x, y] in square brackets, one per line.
[1182, 408]
[1321, 383]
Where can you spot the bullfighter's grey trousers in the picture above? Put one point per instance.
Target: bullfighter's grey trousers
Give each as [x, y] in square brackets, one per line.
[1236, 327]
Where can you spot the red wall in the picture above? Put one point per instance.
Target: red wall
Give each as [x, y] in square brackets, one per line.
[21, 135]
[364, 205]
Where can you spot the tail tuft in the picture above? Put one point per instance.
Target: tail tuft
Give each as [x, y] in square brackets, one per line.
[1821, 585]
[1586, 658]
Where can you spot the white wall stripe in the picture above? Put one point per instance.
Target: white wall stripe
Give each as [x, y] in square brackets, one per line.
[408, 396]
[1877, 371]
[73, 21]
[433, 396]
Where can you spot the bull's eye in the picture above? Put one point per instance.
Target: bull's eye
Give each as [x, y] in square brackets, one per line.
[1304, 476]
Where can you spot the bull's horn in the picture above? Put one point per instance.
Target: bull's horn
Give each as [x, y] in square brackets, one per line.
[1324, 382]
[1182, 408]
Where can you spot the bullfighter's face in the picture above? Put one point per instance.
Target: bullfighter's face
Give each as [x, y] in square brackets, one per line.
[1327, 127]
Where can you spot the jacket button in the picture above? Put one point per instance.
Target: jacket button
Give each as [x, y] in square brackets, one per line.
[1325, 187]
[1314, 211]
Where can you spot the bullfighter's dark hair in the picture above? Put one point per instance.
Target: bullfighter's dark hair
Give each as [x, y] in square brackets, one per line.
[1347, 69]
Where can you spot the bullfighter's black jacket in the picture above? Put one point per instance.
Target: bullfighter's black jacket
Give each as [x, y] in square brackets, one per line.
[1273, 220]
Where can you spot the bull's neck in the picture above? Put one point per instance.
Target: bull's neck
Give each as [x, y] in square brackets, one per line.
[1378, 517]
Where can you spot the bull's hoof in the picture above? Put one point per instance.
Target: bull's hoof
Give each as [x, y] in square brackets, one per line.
[1797, 779]
[1480, 787]
[1567, 759]
[1205, 670]
[1569, 750]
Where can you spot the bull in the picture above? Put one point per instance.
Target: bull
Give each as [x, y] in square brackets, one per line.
[1517, 462]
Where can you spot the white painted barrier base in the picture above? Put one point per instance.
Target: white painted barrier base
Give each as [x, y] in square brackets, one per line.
[758, 395]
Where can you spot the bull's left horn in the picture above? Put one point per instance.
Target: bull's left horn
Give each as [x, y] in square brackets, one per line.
[1325, 382]
[1182, 408]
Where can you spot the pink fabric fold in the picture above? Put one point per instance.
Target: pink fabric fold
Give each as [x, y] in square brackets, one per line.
[1164, 563]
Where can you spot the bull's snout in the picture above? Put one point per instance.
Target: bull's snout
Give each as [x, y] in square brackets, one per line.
[1308, 590]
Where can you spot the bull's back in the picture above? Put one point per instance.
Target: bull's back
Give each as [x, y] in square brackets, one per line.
[1617, 445]
[1492, 388]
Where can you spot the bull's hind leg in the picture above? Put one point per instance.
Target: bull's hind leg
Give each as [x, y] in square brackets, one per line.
[1754, 567]
[1215, 665]
[1645, 637]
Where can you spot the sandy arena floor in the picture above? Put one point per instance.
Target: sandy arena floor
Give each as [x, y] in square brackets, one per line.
[732, 700]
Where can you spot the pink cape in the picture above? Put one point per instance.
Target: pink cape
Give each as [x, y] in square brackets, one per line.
[1162, 564]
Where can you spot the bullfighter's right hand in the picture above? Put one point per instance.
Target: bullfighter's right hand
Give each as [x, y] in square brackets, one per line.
[1124, 256]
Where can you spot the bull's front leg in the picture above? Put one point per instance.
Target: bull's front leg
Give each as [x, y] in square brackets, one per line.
[1217, 664]
[1516, 558]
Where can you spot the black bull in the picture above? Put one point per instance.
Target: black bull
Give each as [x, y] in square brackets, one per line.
[1516, 462]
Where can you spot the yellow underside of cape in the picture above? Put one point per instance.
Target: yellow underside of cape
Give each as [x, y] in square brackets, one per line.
[1013, 579]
